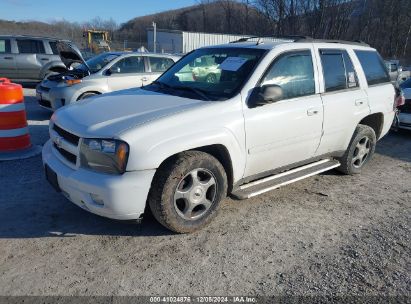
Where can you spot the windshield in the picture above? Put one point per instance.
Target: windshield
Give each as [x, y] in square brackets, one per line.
[98, 62]
[209, 74]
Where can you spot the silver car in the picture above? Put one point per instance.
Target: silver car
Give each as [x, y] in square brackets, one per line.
[28, 58]
[104, 73]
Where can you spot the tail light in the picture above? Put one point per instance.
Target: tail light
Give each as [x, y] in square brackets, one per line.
[399, 100]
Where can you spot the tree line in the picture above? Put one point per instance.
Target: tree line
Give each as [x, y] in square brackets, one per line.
[384, 24]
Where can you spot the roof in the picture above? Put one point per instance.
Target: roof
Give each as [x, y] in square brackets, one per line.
[33, 37]
[263, 43]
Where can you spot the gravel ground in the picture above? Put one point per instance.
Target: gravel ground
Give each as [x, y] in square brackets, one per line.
[326, 235]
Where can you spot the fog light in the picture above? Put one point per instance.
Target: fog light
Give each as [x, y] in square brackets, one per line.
[97, 199]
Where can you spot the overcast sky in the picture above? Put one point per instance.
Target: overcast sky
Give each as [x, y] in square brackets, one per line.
[84, 10]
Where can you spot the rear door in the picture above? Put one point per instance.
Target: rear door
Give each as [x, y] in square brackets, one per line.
[344, 98]
[157, 65]
[128, 72]
[8, 66]
[32, 56]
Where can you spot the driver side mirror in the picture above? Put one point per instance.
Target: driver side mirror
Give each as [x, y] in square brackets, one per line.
[113, 70]
[265, 95]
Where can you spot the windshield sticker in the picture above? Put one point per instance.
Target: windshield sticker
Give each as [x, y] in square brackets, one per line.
[232, 63]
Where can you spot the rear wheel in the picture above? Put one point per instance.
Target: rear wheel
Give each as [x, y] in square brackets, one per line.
[187, 191]
[360, 150]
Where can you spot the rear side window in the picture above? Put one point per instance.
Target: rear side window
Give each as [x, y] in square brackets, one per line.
[294, 73]
[160, 64]
[53, 46]
[338, 70]
[28, 46]
[5, 46]
[373, 66]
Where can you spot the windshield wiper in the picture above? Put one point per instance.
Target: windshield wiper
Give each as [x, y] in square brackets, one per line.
[161, 84]
[199, 92]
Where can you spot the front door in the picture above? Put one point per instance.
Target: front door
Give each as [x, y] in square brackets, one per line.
[128, 72]
[287, 131]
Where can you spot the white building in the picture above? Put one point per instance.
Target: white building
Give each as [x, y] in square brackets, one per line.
[174, 41]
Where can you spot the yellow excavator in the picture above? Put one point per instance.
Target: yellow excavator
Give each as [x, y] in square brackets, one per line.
[97, 41]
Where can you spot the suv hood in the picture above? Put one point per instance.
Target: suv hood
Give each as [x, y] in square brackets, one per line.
[69, 54]
[108, 115]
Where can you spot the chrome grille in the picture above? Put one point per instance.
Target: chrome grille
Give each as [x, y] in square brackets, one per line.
[71, 138]
[65, 145]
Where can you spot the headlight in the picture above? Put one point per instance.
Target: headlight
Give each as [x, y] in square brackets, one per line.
[71, 82]
[104, 155]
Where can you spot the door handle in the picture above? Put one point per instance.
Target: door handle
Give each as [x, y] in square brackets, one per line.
[44, 59]
[312, 111]
[8, 58]
[359, 102]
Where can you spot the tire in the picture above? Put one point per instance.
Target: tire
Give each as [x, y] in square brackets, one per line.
[187, 191]
[87, 95]
[211, 78]
[48, 74]
[359, 152]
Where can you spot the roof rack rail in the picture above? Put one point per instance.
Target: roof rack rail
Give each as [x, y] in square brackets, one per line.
[354, 42]
[294, 38]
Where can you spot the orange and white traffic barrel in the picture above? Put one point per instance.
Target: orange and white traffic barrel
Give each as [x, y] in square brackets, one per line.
[14, 132]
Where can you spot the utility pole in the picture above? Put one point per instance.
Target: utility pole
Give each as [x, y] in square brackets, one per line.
[154, 36]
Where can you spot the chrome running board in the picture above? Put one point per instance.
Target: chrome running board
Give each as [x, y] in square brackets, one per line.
[272, 182]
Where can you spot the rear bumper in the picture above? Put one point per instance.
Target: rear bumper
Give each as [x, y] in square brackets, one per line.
[123, 196]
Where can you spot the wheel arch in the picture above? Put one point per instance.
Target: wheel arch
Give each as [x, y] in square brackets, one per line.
[86, 92]
[221, 153]
[374, 121]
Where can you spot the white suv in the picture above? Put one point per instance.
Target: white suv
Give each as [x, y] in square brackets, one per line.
[277, 113]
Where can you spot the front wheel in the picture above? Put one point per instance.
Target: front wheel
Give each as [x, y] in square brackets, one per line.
[360, 150]
[187, 191]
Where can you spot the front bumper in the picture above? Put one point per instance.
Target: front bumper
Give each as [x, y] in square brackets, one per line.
[53, 98]
[124, 196]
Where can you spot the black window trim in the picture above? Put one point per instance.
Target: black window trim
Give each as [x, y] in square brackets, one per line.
[279, 55]
[347, 89]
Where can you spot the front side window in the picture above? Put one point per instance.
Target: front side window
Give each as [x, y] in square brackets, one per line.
[209, 73]
[338, 70]
[160, 64]
[134, 64]
[27, 46]
[5, 46]
[373, 67]
[294, 73]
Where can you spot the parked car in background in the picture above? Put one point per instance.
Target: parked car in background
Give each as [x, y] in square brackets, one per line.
[397, 73]
[404, 116]
[29, 58]
[107, 72]
[278, 113]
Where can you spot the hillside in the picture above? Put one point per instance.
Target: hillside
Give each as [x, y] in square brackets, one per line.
[213, 17]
